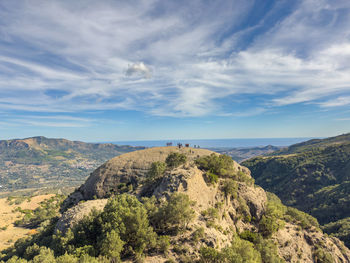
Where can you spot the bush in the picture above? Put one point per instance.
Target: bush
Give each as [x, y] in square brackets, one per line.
[239, 251]
[174, 214]
[163, 244]
[221, 165]
[321, 256]
[268, 250]
[198, 234]
[304, 220]
[212, 178]
[175, 159]
[230, 188]
[249, 236]
[210, 214]
[271, 220]
[121, 229]
[156, 171]
[112, 246]
[209, 255]
[47, 210]
[127, 216]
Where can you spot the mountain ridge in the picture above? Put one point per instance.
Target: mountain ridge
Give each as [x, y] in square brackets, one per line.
[312, 176]
[24, 162]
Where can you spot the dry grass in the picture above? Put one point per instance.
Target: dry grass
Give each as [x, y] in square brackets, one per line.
[7, 217]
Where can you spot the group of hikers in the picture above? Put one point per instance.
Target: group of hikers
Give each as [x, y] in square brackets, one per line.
[180, 145]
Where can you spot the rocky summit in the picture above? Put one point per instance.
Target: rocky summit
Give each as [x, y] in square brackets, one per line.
[221, 217]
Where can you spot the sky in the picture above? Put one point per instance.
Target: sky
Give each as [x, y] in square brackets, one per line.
[151, 70]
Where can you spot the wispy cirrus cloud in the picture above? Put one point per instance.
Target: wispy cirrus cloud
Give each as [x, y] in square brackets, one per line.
[171, 59]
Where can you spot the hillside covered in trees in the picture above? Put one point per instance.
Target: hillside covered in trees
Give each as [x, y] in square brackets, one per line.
[175, 205]
[314, 177]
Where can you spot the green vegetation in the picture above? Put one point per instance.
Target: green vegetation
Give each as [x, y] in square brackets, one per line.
[156, 171]
[221, 166]
[172, 215]
[339, 229]
[313, 177]
[242, 251]
[321, 256]
[126, 228]
[272, 219]
[34, 218]
[175, 159]
[230, 188]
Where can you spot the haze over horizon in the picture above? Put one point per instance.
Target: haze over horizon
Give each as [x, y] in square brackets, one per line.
[153, 70]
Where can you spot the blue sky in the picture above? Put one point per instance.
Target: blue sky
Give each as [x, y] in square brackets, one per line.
[137, 70]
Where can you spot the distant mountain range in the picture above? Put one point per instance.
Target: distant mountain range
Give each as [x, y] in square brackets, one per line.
[313, 176]
[244, 153]
[42, 162]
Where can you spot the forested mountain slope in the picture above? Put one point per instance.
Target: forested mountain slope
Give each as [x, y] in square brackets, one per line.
[313, 177]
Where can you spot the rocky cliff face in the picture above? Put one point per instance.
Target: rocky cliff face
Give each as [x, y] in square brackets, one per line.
[234, 215]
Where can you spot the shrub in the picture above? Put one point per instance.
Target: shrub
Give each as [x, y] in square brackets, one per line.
[163, 244]
[268, 250]
[271, 220]
[221, 165]
[210, 214]
[47, 210]
[45, 255]
[175, 159]
[66, 258]
[212, 178]
[249, 236]
[112, 246]
[174, 214]
[128, 217]
[321, 256]
[230, 188]
[304, 220]
[156, 171]
[239, 251]
[209, 255]
[198, 234]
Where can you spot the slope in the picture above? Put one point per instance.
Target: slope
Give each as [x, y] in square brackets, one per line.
[312, 176]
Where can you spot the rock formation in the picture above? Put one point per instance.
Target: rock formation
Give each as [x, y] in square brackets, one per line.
[235, 214]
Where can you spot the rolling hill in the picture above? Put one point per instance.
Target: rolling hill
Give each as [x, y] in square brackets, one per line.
[42, 162]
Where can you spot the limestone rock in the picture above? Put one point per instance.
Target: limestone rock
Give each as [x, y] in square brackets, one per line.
[74, 214]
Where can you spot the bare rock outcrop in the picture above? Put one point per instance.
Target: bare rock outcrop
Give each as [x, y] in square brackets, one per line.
[300, 245]
[76, 213]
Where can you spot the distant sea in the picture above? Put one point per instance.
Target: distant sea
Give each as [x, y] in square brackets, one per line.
[219, 143]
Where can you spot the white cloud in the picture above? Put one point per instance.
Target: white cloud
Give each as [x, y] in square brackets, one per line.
[139, 69]
[340, 101]
[199, 68]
